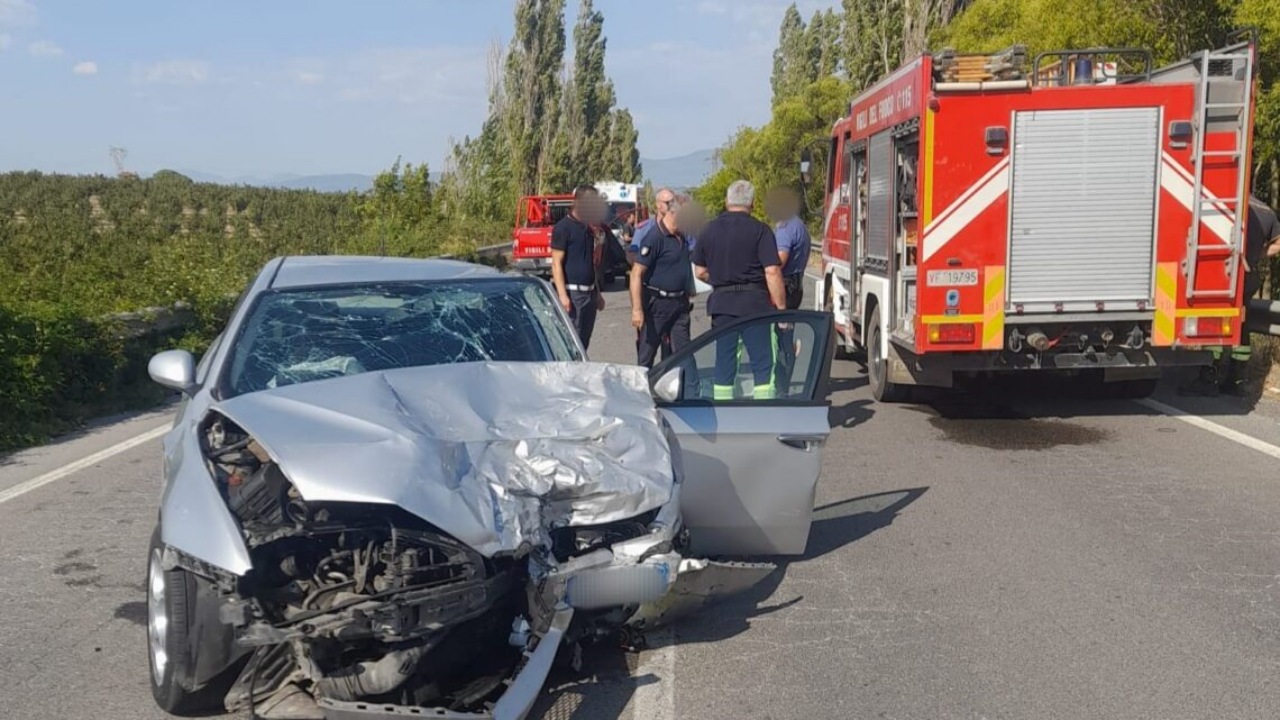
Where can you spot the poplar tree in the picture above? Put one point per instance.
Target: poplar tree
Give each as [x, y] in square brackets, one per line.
[792, 63]
[531, 84]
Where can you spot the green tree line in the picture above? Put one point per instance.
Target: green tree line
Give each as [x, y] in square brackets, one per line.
[821, 63]
[75, 250]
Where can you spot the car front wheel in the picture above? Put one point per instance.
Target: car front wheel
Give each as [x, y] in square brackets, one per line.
[170, 649]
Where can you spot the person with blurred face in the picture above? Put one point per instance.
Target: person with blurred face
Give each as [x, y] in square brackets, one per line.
[783, 208]
[661, 287]
[738, 255]
[662, 203]
[576, 249]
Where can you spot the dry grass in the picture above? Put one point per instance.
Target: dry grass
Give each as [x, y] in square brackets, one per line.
[1264, 366]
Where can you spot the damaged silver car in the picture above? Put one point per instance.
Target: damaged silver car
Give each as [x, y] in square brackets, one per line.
[397, 488]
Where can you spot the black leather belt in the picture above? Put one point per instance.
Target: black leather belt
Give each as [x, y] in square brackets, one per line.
[741, 287]
[665, 293]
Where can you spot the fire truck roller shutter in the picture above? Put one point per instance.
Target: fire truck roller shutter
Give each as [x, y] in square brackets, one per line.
[881, 170]
[1083, 203]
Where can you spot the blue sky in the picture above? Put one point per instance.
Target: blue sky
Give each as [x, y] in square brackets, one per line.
[254, 88]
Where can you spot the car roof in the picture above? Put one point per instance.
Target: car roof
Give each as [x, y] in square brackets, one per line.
[313, 270]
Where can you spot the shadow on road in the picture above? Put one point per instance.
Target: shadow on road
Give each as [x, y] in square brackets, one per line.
[853, 413]
[1046, 396]
[609, 682]
[835, 526]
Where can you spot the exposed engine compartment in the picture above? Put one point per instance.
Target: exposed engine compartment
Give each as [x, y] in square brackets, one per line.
[360, 602]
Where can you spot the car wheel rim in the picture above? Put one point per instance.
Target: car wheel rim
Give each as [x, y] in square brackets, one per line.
[877, 362]
[157, 618]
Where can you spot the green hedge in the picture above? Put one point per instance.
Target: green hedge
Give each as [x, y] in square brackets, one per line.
[58, 370]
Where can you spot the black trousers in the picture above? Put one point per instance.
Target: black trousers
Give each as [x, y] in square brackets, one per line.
[786, 362]
[757, 341]
[583, 314]
[666, 327]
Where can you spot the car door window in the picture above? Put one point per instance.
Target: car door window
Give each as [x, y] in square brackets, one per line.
[777, 357]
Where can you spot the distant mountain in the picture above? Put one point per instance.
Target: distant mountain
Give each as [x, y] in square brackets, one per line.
[686, 171]
[340, 182]
[330, 183]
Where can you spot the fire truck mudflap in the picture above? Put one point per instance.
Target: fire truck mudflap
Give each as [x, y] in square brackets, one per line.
[1087, 215]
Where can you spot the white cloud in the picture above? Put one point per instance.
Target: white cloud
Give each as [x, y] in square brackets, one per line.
[173, 72]
[15, 13]
[44, 48]
[88, 67]
[451, 76]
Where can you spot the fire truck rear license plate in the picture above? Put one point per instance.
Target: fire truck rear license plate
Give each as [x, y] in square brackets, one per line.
[952, 278]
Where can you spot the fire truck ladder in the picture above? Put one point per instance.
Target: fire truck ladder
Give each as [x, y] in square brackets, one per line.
[1211, 66]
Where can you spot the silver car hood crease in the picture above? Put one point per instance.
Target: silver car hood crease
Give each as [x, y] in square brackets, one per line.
[492, 453]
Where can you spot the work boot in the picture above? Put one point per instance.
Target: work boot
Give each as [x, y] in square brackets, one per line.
[1204, 384]
[1233, 377]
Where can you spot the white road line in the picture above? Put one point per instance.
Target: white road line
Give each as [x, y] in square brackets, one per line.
[656, 700]
[1225, 432]
[54, 475]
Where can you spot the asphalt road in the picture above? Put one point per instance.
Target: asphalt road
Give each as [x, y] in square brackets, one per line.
[1002, 558]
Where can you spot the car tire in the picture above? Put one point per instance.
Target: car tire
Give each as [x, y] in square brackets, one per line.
[170, 650]
[878, 367]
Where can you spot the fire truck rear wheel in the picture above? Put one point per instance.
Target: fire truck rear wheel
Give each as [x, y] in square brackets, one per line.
[878, 366]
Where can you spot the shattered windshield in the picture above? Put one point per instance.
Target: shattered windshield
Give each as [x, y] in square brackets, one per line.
[296, 336]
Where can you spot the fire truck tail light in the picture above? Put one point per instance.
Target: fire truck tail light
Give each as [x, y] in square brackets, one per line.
[953, 334]
[1207, 327]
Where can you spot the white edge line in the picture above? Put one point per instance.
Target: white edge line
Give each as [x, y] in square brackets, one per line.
[1234, 436]
[54, 475]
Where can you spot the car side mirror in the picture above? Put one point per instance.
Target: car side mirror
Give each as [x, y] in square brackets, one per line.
[806, 163]
[667, 388]
[174, 369]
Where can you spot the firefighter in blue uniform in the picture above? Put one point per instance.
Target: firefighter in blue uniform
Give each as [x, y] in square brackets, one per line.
[661, 288]
[738, 256]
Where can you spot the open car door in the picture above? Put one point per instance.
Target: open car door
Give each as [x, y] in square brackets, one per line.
[748, 404]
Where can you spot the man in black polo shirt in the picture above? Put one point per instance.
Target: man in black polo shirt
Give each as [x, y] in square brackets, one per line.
[661, 285]
[575, 262]
[738, 256]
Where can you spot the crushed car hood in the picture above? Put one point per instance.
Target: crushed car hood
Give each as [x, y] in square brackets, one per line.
[494, 454]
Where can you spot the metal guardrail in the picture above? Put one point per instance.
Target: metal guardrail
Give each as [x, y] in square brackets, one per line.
[486, 251]
[1263, 317]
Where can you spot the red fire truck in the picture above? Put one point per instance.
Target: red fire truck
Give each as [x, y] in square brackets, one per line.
[1084, 214]
[531, 240]
[536, 215]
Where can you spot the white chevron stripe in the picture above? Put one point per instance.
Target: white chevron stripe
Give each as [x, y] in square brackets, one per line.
[964, 197]
[965, 209]
[1178, 182]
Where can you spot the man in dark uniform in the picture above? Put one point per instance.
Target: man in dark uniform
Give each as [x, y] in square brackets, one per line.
[1228, 371]
[738, 256]
[661, 285]
[575, 260]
